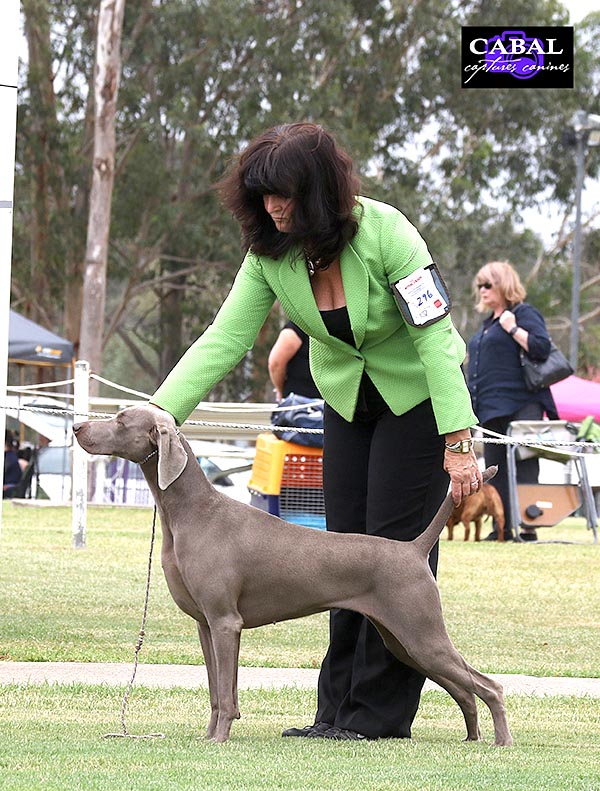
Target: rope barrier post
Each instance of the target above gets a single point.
(9, 69)
(81, 392)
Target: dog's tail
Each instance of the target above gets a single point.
(430, 535)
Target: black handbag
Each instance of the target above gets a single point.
(539, 374)
(302, 412)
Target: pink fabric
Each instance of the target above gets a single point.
(577, 398)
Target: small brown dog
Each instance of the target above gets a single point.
(485, 502)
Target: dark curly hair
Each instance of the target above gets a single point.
(300, 161)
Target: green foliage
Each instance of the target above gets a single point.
(53, 163)
(201, 77)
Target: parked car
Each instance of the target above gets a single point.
(122, 482)
(53, 473)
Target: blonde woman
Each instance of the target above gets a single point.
(495, 376)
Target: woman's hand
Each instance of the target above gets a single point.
(464, 472)
(507, 320)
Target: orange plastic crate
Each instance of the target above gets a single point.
(278, 463)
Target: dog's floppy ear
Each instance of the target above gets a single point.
(172, 457)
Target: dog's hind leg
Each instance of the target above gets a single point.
(450, 670)
(492, 694)
(430, 649)
(468, 705)
(211, 672)
(465, 699)
(225, 634)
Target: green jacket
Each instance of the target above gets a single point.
(407, 364)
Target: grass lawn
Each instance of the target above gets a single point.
(509, 608)
(53, 740)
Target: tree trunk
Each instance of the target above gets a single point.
(74, 254)
(170, 327)
(108, 67)
(43, 148)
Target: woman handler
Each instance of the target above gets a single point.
(357, 277)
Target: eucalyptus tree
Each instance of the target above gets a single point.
(106, 91)
(54, 134)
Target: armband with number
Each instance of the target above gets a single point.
(422, 296)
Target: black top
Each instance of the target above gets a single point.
(495, 377)
(370, 403)
(298, 378)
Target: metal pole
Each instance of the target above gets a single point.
(580, 161)
(79, 482)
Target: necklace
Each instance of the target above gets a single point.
(311, 264)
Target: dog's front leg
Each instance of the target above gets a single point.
(225, 634)
(211, 672)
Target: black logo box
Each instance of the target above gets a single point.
(498, 69)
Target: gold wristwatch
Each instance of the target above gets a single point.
(462, 446)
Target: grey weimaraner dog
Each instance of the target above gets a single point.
(231, 566)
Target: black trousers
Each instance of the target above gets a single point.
(527, 470)
(382, 476)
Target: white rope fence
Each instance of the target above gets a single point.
(80, 411)
(493, 439)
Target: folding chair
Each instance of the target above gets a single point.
(547, 504)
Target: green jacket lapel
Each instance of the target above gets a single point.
(356, 289)
(297, 297)
(294, 280)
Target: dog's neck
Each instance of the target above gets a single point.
(148, 457)
(155, 451)
(191, 479)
